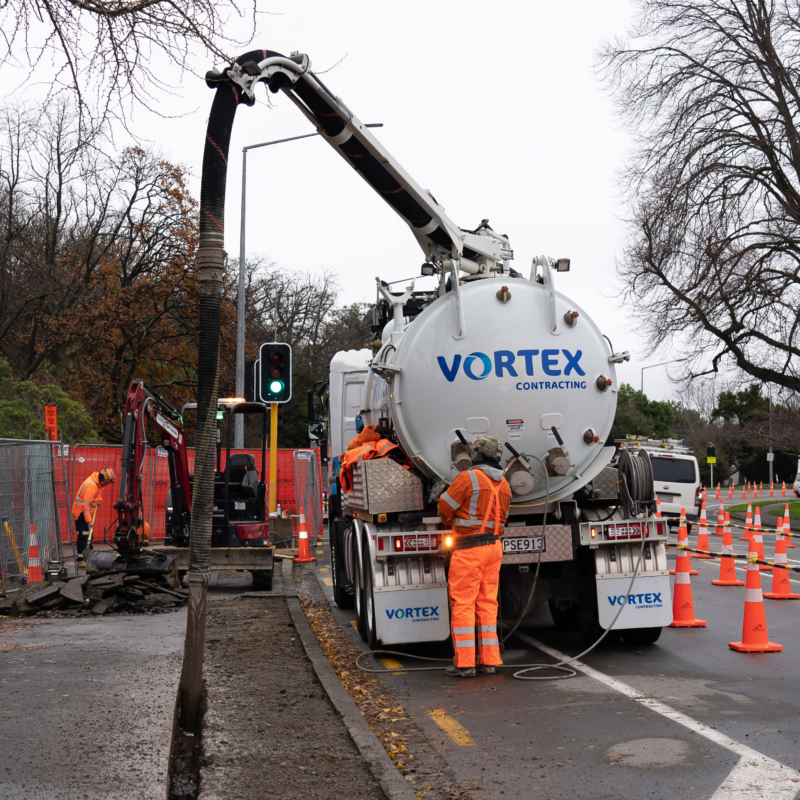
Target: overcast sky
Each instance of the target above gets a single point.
(494, 107)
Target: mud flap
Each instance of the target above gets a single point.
(649, 602)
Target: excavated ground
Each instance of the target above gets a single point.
(269, 729)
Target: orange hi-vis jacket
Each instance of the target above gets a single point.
(366, 452)
(90, 495)
(471, 495)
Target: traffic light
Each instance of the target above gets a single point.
(275, 370)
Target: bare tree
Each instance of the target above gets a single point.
(711, 93)
(112, 54)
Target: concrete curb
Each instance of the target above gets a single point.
(395, 787)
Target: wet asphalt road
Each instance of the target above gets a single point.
(726, 724)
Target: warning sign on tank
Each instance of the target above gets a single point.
(514, 428)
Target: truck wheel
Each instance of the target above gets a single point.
(361, 623)
(565, 616)
(341, 596)
(262, 581)
(639, 636)
(369, 609)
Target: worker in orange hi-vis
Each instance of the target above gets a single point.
(476, 505)
(89, 497)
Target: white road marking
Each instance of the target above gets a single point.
(755, 776)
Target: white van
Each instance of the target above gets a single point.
(796, 486)
(676, 475)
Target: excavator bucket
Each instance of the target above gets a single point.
(145, 563)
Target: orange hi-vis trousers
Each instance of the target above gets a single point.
(473, 580)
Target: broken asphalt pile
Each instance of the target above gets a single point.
(105, 593)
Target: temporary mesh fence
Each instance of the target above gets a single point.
(33, 492)
(87, 459)
(308, 490)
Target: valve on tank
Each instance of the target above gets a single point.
(461, 453)
(557, 460)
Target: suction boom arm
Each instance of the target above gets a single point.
(435, 232)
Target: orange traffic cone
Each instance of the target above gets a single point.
(772, 490)
(783, 490)
(727, 567)
(683, 538)
(757, 542)
(34, 567)
(787, 528)
(720, 521)
(730, 492)
(658, 507)
(304, 551)
(781, 588)
(716, 496)
(682, 602)
(748, 523)
(755, 637)
(702, 534)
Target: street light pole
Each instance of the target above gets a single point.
(771, 454)
(238, 440)
(650, 366)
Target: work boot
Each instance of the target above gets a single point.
(488, 669)
(452, 671)
(79, 558)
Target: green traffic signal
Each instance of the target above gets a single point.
(275, 368)
(276, 387)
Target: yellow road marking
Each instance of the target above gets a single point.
(324, 569)
(328, 581)
(320, 552)
(354, 623)
(392, 663)
(453, 728)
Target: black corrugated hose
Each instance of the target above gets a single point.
(211, 268)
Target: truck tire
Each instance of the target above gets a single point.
(565, 616)
(262, 581)
(640, 636)
(369, 607)
(341, 596)
(361, 622)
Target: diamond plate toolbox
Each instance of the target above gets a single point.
(383, 486)
(557, 544)
(604, 486)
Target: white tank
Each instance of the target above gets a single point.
(512, 369)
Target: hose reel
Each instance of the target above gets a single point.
(636, 483)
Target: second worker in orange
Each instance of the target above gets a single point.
(476, 504)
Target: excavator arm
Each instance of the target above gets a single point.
(439, 237)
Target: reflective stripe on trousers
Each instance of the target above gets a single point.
(472, 582)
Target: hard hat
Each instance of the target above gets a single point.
(107, 475)
(488, 447)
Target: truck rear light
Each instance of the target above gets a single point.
(380, 543)
(398, 544)
(659, 529)
(448, 541)
(593, 533)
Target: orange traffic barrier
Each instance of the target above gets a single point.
(702, 534)
(787, 528)
(757, 542)
(683, 538)
(682, 602)
(755, 637)
(34, 566)
(748, 523)
(304, 551)
(727, 567)
(781, 588)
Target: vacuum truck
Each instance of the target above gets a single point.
(485, 350)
